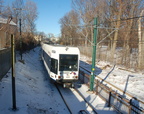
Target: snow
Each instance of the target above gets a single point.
(96, 101)
(75, 102)
(127, 80)
(35, 94)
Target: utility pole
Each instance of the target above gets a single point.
(20, 38)
(13, 72)
(93, 55)
(20, 9)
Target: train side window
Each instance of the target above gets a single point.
(47, 59)
(54, 65)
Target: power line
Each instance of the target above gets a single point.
(127, 19)
(105, 37)
(89, 25)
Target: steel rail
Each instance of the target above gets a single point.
(126, 93)
(81, 111)
(109, 83)
(94, 110)
(63, 99)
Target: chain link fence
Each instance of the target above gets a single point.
(126, 57)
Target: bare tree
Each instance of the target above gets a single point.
(26, 12)
(17, 7)
(87, 12)
(141, 42)
(113, 14)
(69, 25)
(30, 16)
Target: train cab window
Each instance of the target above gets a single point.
(68, 62)
(54, 65)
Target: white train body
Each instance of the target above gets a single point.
(62, 63)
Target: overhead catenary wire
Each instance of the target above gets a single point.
(90, 25)
(105, 37)
(128, 18)
(103, 27)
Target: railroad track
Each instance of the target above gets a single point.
(74, 101)
(84, 69)
(110, 85)
(63, 98)
(135, 108)
(93, 109)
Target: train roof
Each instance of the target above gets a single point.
(60, 49)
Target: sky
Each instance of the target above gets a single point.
(49, 14)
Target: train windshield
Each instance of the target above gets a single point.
(68, 63)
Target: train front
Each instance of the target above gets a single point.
(69, 67)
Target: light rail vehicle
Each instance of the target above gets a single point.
(61, 63)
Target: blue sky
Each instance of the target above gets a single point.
(49, 14)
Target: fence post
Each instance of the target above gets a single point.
(83, 76)
(109, 100)
(13, 72)
(97, 86)
(129, 109)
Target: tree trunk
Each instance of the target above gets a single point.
(140, 44)
(115, 40)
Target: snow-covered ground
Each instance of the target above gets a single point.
(127, 80)
(36, 95)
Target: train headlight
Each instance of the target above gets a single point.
(59, 77)
(75, 77)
